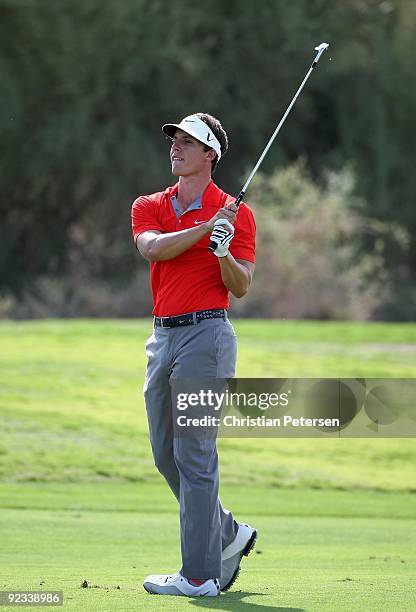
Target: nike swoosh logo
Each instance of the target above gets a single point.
(209, 137)
(198, 222)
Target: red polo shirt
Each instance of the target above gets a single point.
(192, 281)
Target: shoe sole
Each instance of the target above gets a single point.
(153, 593)
(246, 551)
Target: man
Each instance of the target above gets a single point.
(193, 338)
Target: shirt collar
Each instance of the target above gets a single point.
(211, 195)
(193, 206)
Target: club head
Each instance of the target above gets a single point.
(322, 47)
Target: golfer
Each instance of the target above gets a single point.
(193, 338)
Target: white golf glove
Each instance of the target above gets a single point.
(222, 234)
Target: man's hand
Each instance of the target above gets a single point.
(228, 213)
(222, 234)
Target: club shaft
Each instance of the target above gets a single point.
(277, 130)
(321, 49)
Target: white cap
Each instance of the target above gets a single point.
(194, 126)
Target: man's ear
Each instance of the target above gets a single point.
(211, 154)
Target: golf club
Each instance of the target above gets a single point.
(320, 49)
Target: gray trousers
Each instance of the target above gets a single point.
(190, 463)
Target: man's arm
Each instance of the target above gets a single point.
(155, 246)
(236, 274)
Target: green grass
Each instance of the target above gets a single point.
(80, 496)
(71, 405)
(317, 550)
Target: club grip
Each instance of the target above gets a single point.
(213, 245)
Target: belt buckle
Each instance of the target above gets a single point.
(161, 323)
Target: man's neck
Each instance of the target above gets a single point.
(190, 188)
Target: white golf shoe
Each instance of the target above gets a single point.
(231, 556)
(177, 584)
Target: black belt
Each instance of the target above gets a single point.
(191, 318)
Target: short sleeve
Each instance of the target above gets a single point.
(144, 216)
(243, 245)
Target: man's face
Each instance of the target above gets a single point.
(187, 155)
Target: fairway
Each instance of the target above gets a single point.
(81, 499)
(326, 550)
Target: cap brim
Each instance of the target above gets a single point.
(169, 129)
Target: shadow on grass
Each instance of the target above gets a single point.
(235, 601)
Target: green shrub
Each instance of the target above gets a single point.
(309, 258)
